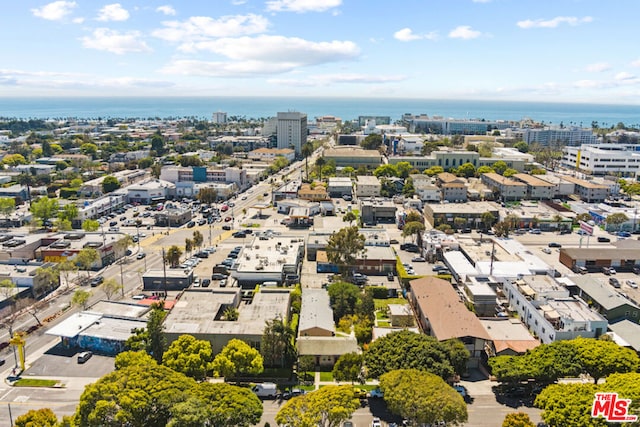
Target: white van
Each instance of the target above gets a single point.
(265, 390)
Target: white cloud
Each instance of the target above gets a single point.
(166, 9)
(113, 12)
(262, 55)
(280, 49)
(330, 79)
(199, 28)
(115, 41)
(625, 76)
(598, 67)
(78, 20)
(407, 35)
(302, 6)
(54, 11)
(554, 22)
(635, 63)
(238, 2)
(481, 1)
(464, 32)
(592, 84)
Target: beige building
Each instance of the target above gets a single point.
(315, 194)
(354, 156)
(508, 188)
(367, 186)
(588, 191)
(537, 189)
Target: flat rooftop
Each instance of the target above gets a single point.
(469, 207)
(269, 255)
(195, 312)
(543, 284)
(113, 328)
(570, 308)
(120, 309)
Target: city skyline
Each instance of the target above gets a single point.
(566, 51)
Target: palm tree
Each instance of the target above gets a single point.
(306, 151)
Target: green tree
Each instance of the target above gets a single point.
(90, 225)
(237, 358)
(130, 358)
(110, 287)
(81, 298)
(371, 142)
(7, 207)
(500, 166)
(158, 144)
(189, 356)
(188, 245)
(306, 364)
(568, 405)
(600, 358)
(466, 170)
(172, 257)
(413, 229)
(44, 209)
(583, 217)
(521, 146)
(328, 406)
(65, 268)
(403, 169)
(69, 212)
(538, 171)
(349, 217)
(488, 219)
(343, 298)
(433, 170)
(617, 219)
(413, 216)
(348, 367)
(406, 349)
(277, 347)
(228, 405)
(198, 239)
(110, 183)
(86, 258)
(432, 400)
(89, 149)
(37, 418)
(231, 314)
(386, 170)
(484, 169)
(207, 195)
(509, 172)
(134, 396)
(517, 419)
(14, 160)
(157, 341)
(306, 150)
(344, 246)
(408, 189)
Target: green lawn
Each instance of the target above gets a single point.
(383, 324)
(381, 315)
(34, 382)
(383, 303)
(326, 376)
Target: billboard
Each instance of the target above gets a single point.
(586, 228)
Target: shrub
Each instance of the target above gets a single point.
(379, 292)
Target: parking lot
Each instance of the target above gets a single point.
(61, 362)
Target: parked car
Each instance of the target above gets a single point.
(191, 224)
(376, 422)
(624, 234)
(418, 259)
(226, 227)
(555, 245)
(632, 284)
(84, 356)
(614, 282)
(206, 283)
(202, 254)
(565, 231)
(139, 297)
(606, 270)
(239, 235)
(439, 267)
(97, 281)
(390, 277)
(604, 239)
(546, 250)
(141, 255)
(376, 393)
(227, 219)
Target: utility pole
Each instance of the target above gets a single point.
(121, 277)
(164, 273)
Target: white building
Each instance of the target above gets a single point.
(425, 188)
(219, 118)
(603, 159)
(554, 135)
(368, 186)
(269, 154)
(292, 130)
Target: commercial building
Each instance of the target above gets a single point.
(269, 154)
(61, 246)
(595, 258)
(553, 135)
(354, 156)
(150, 192)
(446, 213)
(456, 158)
(202, 174)
(292, 131)
(442, 314)
(268, 260)
(93, 187)
(446, 126)
(169, 279)
(173, 217)
(101, 206)
(200, 312)
(373, 211)
(604, 298)
(603, 159)
(315, 194)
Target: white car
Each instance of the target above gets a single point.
(632, 284)
(546, 250)
(376, 422)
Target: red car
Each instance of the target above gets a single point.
(227, 219)
(224, 208)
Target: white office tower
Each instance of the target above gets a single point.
(292, 131)
(219, 118)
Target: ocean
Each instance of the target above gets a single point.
(345, 108)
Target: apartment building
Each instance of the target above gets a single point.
(589, 191)
(553, 135)
(291, 131)
(537, 189)
(233, 175)
(508, 188)
(367, 186)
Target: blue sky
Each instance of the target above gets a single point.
(526, 50)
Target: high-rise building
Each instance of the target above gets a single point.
(292, 131)
(219, 118)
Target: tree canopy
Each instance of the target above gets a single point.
(237, 358)
(189, 356)
(344, 246)
(432, 400)
(110, 183)
(517, 419)
(37, 418)
(348, 367)
(343, 297)
(44, 209)
(371, 141)
(328, 406)
(277, 347)
(406, 349)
